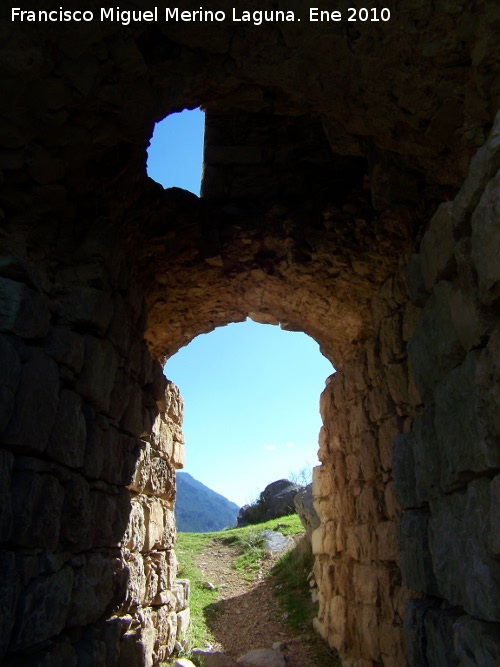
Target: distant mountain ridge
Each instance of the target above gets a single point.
(198, 509)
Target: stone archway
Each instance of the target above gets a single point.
(319, 212)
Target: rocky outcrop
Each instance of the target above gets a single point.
(304, 506)
(276, 500)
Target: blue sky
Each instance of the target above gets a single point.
(251, 391)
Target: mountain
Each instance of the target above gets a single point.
(198, 509)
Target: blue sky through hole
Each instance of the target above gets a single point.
(251, 391)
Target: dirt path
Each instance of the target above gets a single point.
(248, 616)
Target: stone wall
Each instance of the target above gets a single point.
(364, 405)
(447, 467)
(90, 436)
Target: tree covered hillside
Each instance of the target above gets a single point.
(198, 509)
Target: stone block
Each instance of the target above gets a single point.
(483, 166)
(415, 555)
(440, 637)
(391, 342)
(58, 652)
(477, 643)
(181, 590)
(435, 349)
(77, 516)
(361, 543)
(9, 591)
(466, 572)
(415, 631)
(387, 430)
(42, 609)
(486, 241)
(120, 395)
(93, 589)
(411, 315)
(183, 620)
(397, 380)
(380, 407)
(11, 373)
(37, 501)
(467, 416)
(69, 433)
(415, 281)
(97, 378)
(85, 307)
(120, 454)
(166, 629)
(365, 582)
(437, 245)
(467, 318)
(6, 465)
(136, 579)
(36, 403)
(22, 310)
(494, 540)
(135, 534)
(153, 475)
(111, 515)
(120, 328)
(66, 348)
(403, 464)
(388, 541)
(131, 421)
(427, 456)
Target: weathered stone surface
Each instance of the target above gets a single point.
(434, 349)
(77, 514)
(304, 506)
(486, 240)
(11, 371)
(476, 642)
(466, 572)
(36, 403)
(428, 459)
(98, 375)
(439, 635)
(183, 620)
(111, 514)
(42, 609)
(66, 347)
(483, 167)
(86, 307)
(415, 631)
(262, 657)
(467, 416)
(94, 589)
(436, 248)
(403, 463)
(9, 591)
(37, 501)
(415, 555)
(181, 590)
(22, 310)
(6, 464)
(69, 434)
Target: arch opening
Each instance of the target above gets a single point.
(175, 152)
(251, 406)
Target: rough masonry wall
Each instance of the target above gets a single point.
(90, 436)
(446, 469)
(363, 406)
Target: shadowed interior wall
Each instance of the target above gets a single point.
(339, 204)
